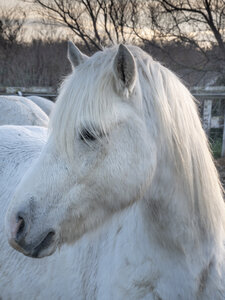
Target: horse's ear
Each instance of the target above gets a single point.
(124, 68)
(74, 55)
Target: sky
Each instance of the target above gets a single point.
(10, 2)
(33, 28)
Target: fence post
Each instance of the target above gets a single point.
(223, 142)
(207, 110)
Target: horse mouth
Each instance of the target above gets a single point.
(45, 247)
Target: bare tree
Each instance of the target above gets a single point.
(12, 22)
(187, 34)
(95, 22)
(117, 19)
(192, 21)
(69, 14)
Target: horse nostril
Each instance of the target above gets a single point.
(20, 227)
(47, 240)
(44, 244)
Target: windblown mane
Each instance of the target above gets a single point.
(184, 142)
(88, 100)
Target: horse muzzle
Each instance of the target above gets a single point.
(42, 246)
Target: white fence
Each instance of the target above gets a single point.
(206, 96)
(48, 92)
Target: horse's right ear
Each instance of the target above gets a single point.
(75, 56)
(124, 69)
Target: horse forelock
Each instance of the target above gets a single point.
(87, 99)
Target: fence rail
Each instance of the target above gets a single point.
(212, 92)
(44, 91)
(207, 98)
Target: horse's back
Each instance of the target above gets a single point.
(45, 104)
(16, 110)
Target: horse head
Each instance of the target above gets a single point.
(100, 156)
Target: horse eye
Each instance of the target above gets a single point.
(87, 135)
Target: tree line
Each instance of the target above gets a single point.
(160, 25)
(199, 24)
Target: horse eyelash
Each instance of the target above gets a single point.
(89, 135)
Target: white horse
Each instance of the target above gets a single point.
(123, 201)
(17, 110)
(45, 104)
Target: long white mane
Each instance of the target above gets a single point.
(184, 142)
(88, 101)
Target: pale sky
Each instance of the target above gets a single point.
(33, 28)
(10, 2)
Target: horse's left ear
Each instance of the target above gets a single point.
(124, 68)
(75, 56)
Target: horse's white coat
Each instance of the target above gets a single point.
(138, 212)
(45, 104)
(17, 110)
